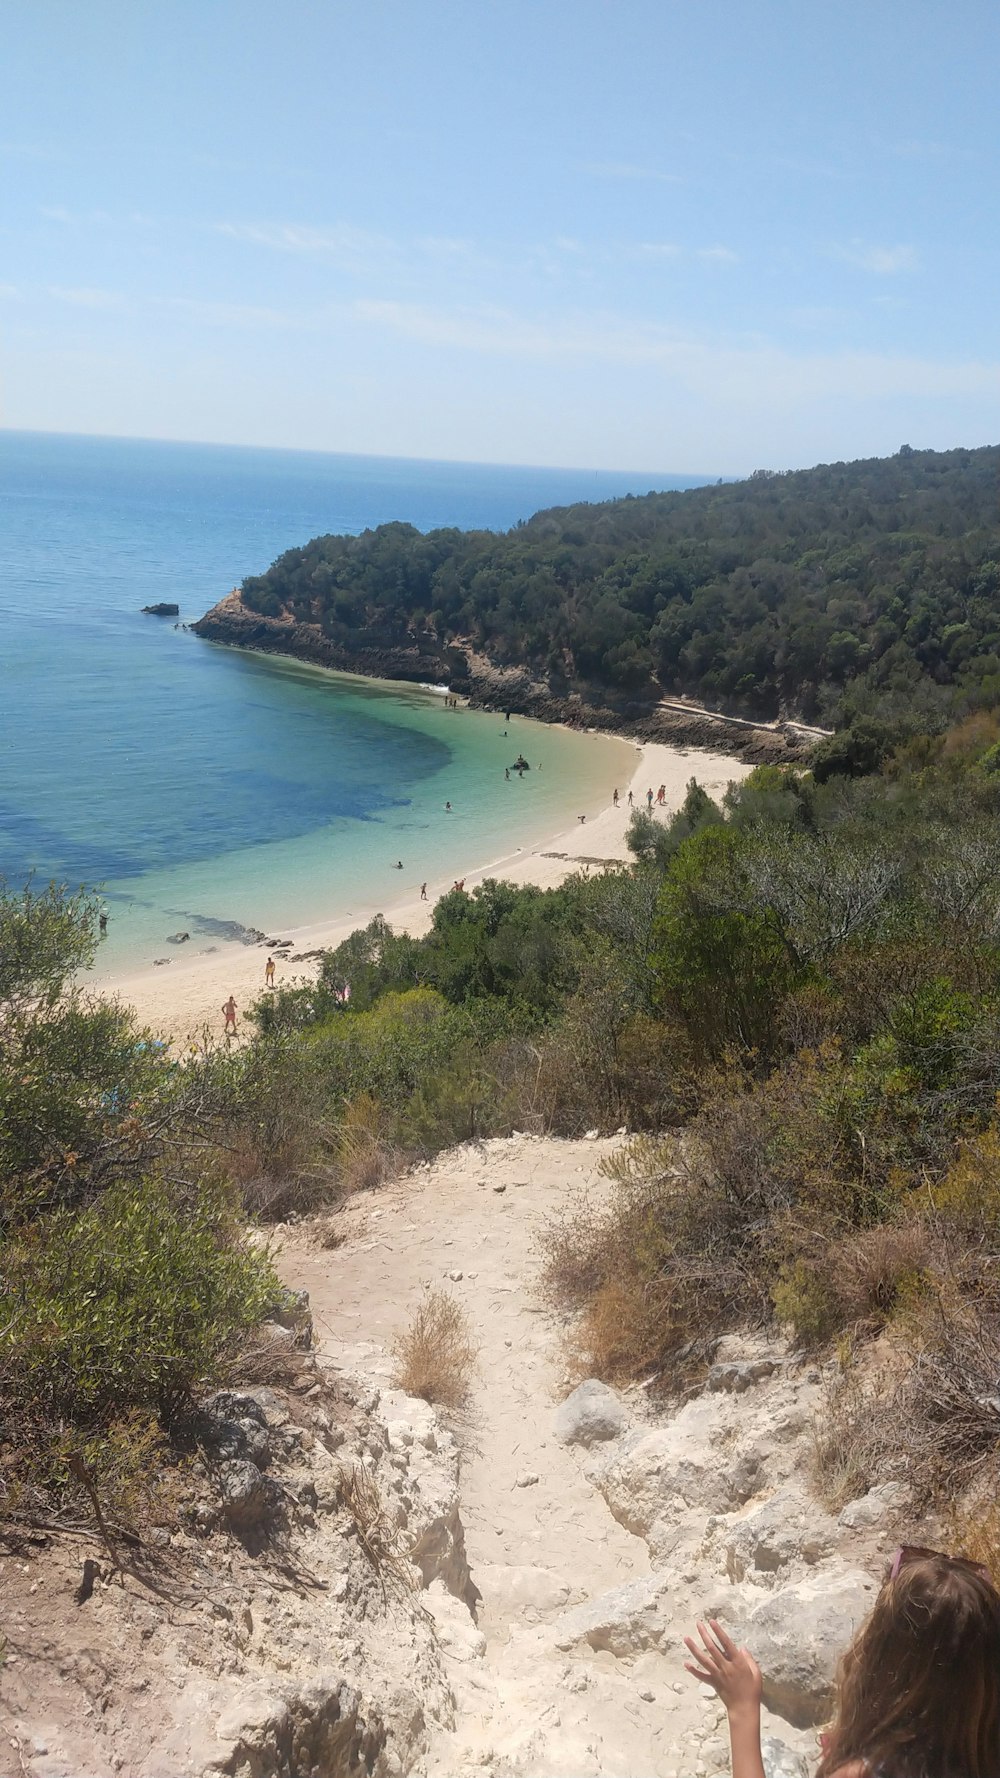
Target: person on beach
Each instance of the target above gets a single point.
(229, 1010)
(459, 885)
(423, 891)
(506, 773)
(614, 800)
(661, 795)
(918, 1691)
(102, 924)
(649, 799)
(269, 973)
(630, 799)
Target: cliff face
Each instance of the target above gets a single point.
(487, 686)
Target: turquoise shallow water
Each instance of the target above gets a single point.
(197, 785)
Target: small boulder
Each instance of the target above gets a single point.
(247, 1497)
(593, 1412)
(232, 1425)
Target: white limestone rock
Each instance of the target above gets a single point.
(591, 1414)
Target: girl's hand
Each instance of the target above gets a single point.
(731, 1672)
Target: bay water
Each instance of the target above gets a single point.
(200, 787)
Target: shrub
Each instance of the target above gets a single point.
(644, 1283)
(129, 1304)
(272, 1127)
(874, 1272)
(435, 1357)
(363, 1156)
(803, 1298)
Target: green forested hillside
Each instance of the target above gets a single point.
(775, 593)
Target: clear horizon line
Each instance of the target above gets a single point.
(220, 444)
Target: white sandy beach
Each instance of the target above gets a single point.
(183, 1000)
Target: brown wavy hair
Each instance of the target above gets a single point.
(919, 1688)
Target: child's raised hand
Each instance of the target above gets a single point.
(731, 1672)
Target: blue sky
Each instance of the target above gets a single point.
(709, 236)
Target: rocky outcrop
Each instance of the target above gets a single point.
(300, 1624)
(421, 659)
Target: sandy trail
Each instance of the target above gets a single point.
(535, 1547)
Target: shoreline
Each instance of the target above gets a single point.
(182, 1001)
(483, 685)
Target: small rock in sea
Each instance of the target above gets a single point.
(527, 1480)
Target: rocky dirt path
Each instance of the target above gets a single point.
(540, 1537)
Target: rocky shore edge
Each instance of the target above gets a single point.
(422, 660)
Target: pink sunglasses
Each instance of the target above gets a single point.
(913, 1552)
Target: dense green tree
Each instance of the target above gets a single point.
(876, 579)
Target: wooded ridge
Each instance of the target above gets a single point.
(824, 594)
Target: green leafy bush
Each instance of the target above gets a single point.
(128, 1304)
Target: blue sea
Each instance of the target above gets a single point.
(198, 787)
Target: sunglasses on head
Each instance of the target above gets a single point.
(914, 1552)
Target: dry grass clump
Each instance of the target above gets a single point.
(378, 1531)
(646, 1285)
(855, 1433)
(873, 1271)
(436, 1357)
(364, 1157)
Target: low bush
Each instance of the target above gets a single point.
(272, 1128)
(363, 1156)
(435, 1358)
(128, 1305)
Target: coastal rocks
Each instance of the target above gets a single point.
(873, 1508)
(319, 1728)
(786, 1529)
(624, 1621)
(420, 658)
(178, 938)
(798, 1635)
(655, 1481)
(163, 609)
(248, 1498)
(591, 1414)
(421, 1474)
(231, 1425)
